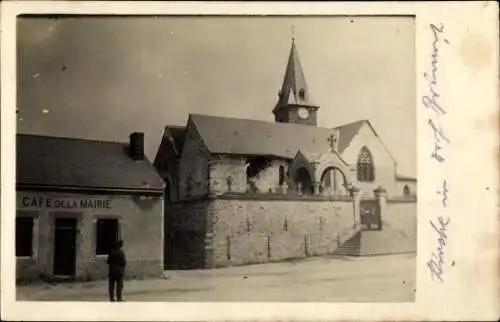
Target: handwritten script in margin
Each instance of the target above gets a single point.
(432, 102)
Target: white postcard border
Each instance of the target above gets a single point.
(468, 89)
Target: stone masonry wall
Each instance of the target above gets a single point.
(399, 230)
(186, 235)
(253, 231)
(400, 217)
(412, 185)
(193, 166)
(268, 179)
(228, 175)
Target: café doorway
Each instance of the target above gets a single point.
(65, 231)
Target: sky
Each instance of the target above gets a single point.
(105, 77)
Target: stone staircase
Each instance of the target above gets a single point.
(378, 242)
(350, 247)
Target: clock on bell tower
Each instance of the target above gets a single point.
(294, 101)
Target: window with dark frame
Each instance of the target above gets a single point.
(24, 236)
(107, 235)
(366, 171)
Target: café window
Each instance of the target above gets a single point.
(24, 236)
(107, 235)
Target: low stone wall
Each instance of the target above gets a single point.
(401, 215)
(250, 230)
(187, 229)
(399, 232)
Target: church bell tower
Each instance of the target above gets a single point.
(294, 100)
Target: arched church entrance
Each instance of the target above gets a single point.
(303, 181)
(333, 182)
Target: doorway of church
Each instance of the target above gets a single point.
(371, 218)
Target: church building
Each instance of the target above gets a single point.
(245, 191)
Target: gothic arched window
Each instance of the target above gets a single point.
(366, 170)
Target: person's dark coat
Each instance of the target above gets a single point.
(117, 263)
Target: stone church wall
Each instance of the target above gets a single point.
(193, 166)
(412, 185)
(401, 215)
(399, 229)
(228, 175)
(253, 231)
(187, 231)
(384, 176)
(268, 179)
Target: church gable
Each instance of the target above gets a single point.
(193, 164)
(170, 149)
(366, 136)
(373, 163)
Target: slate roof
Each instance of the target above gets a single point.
(224, 135)
(347, 132)
(79, 163)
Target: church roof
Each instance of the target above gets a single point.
(223, 135)
(312, 157)
(79, 163)
(294, 89)
(347, 132)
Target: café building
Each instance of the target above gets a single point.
(76, 197)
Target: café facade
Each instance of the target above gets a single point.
(76, 197)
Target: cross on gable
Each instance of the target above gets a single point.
(332, 139)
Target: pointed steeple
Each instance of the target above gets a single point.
(295, 104)
(294, 88)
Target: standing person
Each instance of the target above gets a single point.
(116, 262)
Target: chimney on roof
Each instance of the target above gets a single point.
(136, 146)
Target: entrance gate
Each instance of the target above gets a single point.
(370, 215)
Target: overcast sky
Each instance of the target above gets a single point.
(103, 78)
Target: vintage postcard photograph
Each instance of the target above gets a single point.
(169, 157)
(221, 160)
